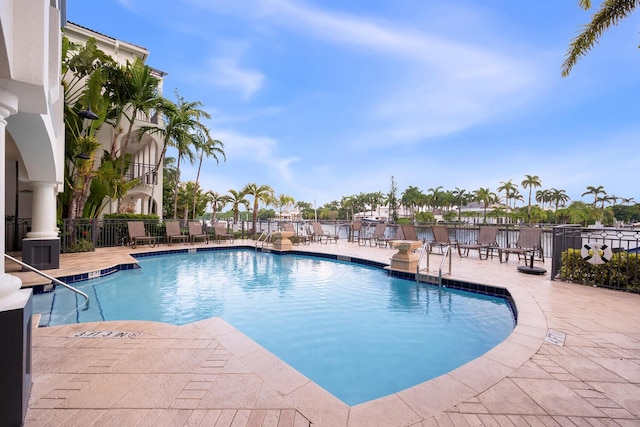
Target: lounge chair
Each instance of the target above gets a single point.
(485, 243)
(137, 234)
(355, 231)
(174, 233)
(195, 232)
(222, 233)
(320, 234)
(441, 238)
(529, 244)
(409, 232)
(297, 237)
(377, 238)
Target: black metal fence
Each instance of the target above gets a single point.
(573, 249)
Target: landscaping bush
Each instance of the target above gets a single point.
(622, 272)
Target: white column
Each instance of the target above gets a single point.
(43, 211)
(8, 284)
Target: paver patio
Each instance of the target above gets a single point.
(209, 374)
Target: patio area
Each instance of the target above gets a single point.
(572, 360)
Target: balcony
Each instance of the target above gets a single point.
(146, 172)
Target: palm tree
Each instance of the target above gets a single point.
(235, 199)
(262, 193)
(542, 197)
(510, 189)
(596, 192)
(558, 198)
(412, 197)
(282, 202)
(486, 197)
(610, 13)
(529, 182)
(435, 194)
(460, 198)
(218, 202)
(208, 147)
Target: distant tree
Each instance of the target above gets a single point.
(461, 198)
(529, 182)
(260, 193)
(392, 200)
(597, 193)
(510, 190)
(236, 198)
(486, 197)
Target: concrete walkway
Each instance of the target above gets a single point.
(209, 374)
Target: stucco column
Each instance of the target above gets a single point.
(43, 212)
(8, 284)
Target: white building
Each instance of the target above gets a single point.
(147, 197)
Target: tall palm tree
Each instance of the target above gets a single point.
(411, 198)
(435, 194)
(218, 201)
(509, 189)
(209, 147)
(460, 198)
(558, 198)
(262, 193)
(596, 192)
(282, 202)
(486, 197)
(235, 199)
(529, 182)
(610, 13)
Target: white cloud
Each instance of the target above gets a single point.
(256, 149)
(227, 73)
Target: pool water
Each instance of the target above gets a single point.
(352, 329)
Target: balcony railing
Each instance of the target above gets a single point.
(144, 171)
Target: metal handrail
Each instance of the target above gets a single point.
(266, 239)
(447, 254)
(422, 252)
(53, 279)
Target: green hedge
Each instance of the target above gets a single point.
(622, 272)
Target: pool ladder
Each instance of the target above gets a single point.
(446, 254)
(264, 238)
(53, 279)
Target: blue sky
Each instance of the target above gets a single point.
(327, 99)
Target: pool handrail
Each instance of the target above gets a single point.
(445, 255)
(53, 279)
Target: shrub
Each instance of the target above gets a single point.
(622, 272)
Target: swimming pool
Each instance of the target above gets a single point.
(352, 329)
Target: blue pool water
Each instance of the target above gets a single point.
(352, 329)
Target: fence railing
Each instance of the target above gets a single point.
(564, 245)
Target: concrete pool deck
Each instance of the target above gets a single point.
(207, 373)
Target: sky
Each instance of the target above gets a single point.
(326, 99)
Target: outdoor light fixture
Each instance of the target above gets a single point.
(87, 114)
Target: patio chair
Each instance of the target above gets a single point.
(320, 233)
(486, 242)
(409, 232)
(441, 238)
(355, 231)
(529, 243)
(221, 232)
(297, 237)
(377, 238)
(174, 233)
(195, 232)
(137, 234)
